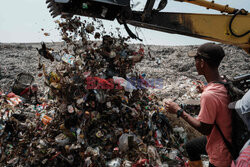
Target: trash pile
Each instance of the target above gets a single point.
(97, 111)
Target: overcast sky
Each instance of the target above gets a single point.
(22, 21)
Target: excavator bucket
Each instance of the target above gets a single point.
(104, 9)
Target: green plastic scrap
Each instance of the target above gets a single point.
(85, 6)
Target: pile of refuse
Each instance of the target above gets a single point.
(97, 112)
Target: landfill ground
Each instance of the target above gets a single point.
(167, 68)
(169, 64)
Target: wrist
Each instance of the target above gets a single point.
(180, 112)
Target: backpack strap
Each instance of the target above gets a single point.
(233, 92)
(223, 83)
(226, 84)
(227, 143)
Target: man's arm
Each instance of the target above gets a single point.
(203, 128)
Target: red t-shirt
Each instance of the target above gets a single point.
(244, 158)
(214, 102)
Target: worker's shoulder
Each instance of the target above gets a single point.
(215, 88)
(207, 95)
(214, 91)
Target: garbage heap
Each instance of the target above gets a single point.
(97, 112)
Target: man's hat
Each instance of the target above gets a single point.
(242, 107)
(209, 51)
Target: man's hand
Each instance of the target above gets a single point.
(171, 107)
(203, 128)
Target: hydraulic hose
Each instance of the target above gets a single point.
(242, 12)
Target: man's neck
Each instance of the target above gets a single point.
(212, 76)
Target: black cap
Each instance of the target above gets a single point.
(209, 51)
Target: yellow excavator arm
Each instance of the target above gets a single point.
(231, 27)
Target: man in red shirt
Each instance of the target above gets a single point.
(214, 102)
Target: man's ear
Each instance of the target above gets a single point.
(202, 63)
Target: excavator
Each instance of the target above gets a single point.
(230, 27)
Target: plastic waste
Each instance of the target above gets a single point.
(45, 119)
(181, 132)
(56, 56)
(92, 151)
(173, 154)
(68, 59)
(100, 96)
(13, 99)
(62, 139)
(2, 126)
(114, 163)
(124, 83)
(85, 6)
(127, 141)
(127, 163)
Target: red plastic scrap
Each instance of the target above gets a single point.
(11, 95)
(25, 91)
(141, 51)
(13, 99)
(141, 163)
(144, 82)
(54, 156)
(98, 83)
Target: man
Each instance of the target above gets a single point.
(242, 107)
(214, 109)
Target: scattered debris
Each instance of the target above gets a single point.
(97, 113)
(46, 34)
(96, 109)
